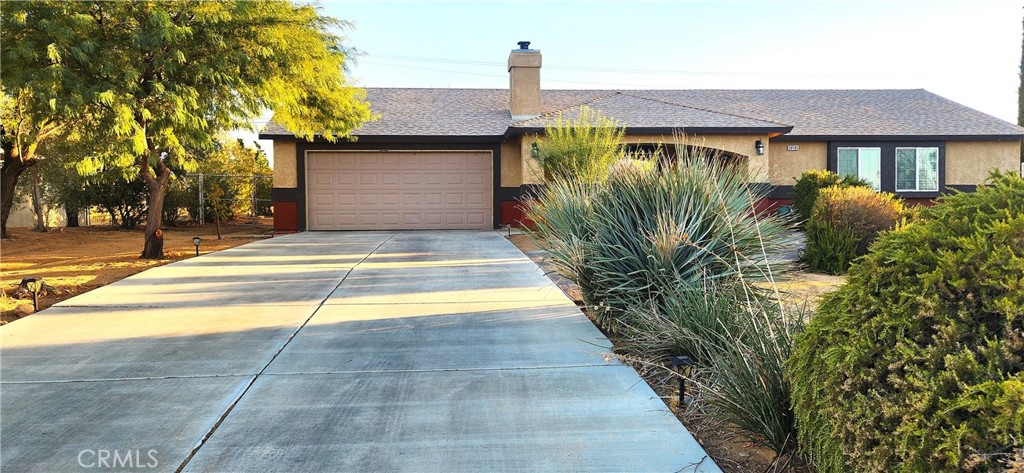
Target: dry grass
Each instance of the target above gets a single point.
(77, 260)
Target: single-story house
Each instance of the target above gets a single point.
(462, 158)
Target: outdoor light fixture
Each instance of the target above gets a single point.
(759, 146)
(33, 284)
(535, 150)
(196, 241)
(684, 366)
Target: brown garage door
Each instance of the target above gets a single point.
(399, 190)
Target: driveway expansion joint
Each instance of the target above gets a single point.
(248, 386)
(448, 370)
(131, 378)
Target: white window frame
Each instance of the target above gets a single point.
(917, 169)
(858, 148)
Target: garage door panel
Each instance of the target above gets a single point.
(399, 190)
(390, 179)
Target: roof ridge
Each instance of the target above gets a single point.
(570, 107)
(652, 99)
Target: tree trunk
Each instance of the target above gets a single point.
(9, 173)
(37, 201)
(216, 221)
(153, 248)
(72, 215)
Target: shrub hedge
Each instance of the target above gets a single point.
(810, 183)
(917, 363)
(844, 222)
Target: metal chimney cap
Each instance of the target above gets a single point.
(524, 45)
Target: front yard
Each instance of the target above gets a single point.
(77, 260)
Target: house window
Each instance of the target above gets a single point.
(917, 169)
(863, 163)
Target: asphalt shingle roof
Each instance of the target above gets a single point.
(848, 113)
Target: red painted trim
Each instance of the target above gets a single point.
(286, 217)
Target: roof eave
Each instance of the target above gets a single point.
(391, 138)
(899, 137)
(668, 130)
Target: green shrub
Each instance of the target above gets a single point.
(584, 149)
(829, 249)
(843, 224)
(647, 230)
(917, 363)
(805, 192)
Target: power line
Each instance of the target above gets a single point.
(618, 70)
(503, 76)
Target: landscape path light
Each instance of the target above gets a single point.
(196, 241)
(33, 284)
(684, 367)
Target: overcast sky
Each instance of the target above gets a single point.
(967, 51)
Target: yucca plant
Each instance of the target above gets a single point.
(659, 229)
(562, 227)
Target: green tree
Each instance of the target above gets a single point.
(23, 127)
(220, 208)
(168, 77)
(241, 163)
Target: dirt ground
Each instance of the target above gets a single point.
(723, 442)
(76, 260)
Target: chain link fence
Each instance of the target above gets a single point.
(245, 196)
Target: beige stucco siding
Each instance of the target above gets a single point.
(532, 173)
(284, 164)
(784, 167)
(969, 162)
(511, 164)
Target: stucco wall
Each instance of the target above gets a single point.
(284, 164)
(524, 83)
(968, 162)
(784, 167)
(511, 164)
(532, 173)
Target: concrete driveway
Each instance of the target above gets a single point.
(372, 351)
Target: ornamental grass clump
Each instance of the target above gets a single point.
(917, 362)
(741, 338)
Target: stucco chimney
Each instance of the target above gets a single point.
(524, 82)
